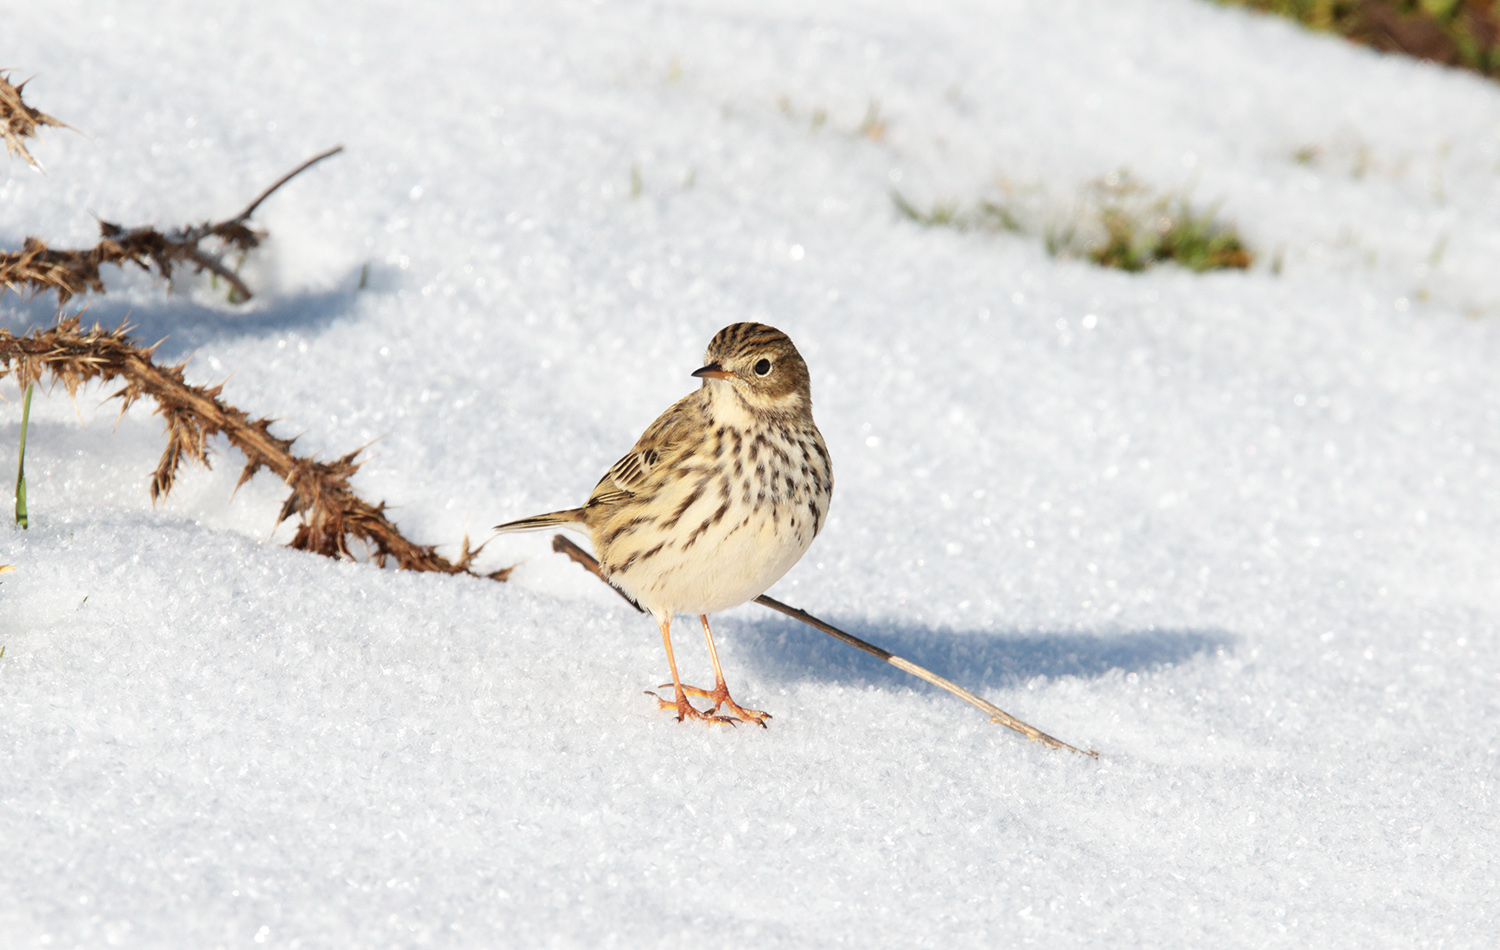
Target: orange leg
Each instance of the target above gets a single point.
(719, 696)
(685, 709)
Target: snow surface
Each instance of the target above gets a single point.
(1238, 532)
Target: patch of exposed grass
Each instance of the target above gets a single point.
(1118, 223)
(1464, 33)
(1141, 229)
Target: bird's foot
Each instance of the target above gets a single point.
(719, 696)
(686, 710)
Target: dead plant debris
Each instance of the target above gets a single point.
(333, 515)
(18, 121)
(37, 267)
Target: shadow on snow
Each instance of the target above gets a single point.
(788, 650)
(183, 323)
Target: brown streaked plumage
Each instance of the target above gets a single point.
(718, 499)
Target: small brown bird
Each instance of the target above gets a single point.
(718, 499)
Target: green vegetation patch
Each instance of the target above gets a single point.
(1119, 222)
(1464, 33)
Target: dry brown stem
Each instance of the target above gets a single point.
(332, 513)
(19, 120)
(37, 267)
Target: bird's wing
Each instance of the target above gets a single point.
(633, 471)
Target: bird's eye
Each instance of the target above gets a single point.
(762, 367)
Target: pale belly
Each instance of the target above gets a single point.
(721, 521)
(730, 563)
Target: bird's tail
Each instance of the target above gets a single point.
(568, 518)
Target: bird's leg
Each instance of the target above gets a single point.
(719, 696)
(685, 709)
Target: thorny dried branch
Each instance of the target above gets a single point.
(19, 120)
(332, 513)
(36, 267)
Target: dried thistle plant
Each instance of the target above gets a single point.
(20, 121)
(332, 514)
(37, 268)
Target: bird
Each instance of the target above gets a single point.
(717, 500)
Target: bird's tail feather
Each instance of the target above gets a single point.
(567, 518)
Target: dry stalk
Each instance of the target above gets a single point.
(578, 555)
(18, 121)
(332, 513)
(37, 267)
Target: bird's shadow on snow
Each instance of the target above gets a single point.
(786, 649)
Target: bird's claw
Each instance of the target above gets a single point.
(719, 696)
(686, 710)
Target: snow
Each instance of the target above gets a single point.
(1238, 532)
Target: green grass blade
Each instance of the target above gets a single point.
(21, 517)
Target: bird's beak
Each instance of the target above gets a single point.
(713, 371)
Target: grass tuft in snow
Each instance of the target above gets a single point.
(1118, 223)
(989, 215)
(942, 214)
(22, 517)
(1141, 229)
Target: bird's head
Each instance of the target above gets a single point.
(762, 367)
